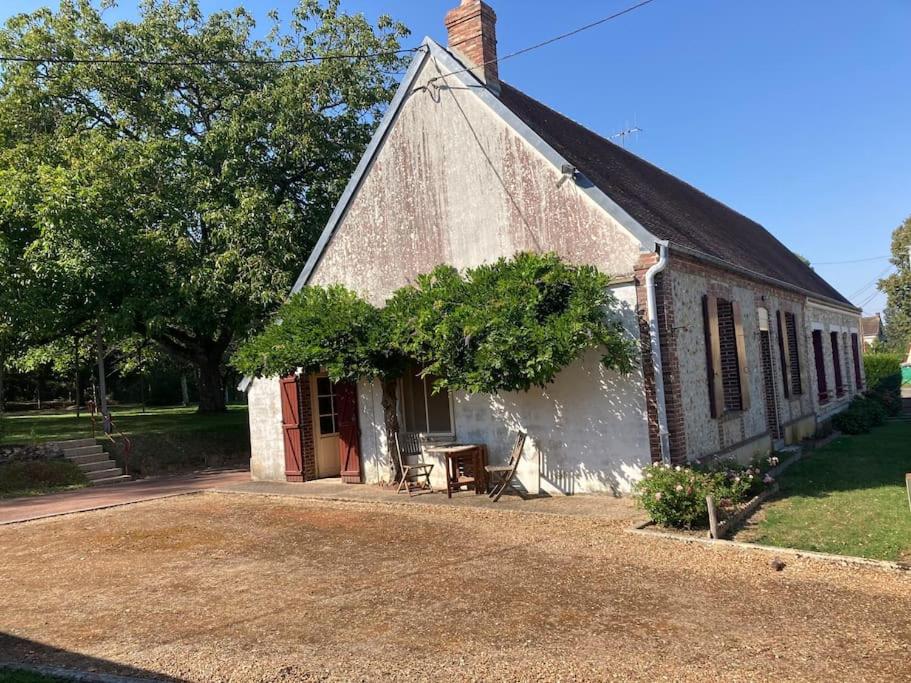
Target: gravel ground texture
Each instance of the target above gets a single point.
(222, 587)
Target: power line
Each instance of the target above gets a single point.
(547, 42)
(860, 260)
(871, 283)
(203, 62)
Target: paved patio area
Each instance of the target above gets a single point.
(240, 587)
(93, 498)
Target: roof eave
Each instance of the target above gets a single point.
(752, 274)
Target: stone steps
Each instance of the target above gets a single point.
(93, 461)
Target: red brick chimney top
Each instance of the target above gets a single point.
(472, 28)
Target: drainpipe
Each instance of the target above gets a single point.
(657, 365)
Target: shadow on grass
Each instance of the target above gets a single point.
(20, 651)
(851, 463)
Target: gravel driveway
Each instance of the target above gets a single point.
(248, 588)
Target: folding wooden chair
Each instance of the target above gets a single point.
(501, 475)
(407, 446)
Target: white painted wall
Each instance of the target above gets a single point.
(587, 431)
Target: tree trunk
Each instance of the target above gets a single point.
(210, 386)
(77, 388)
(391, 420)
(102, 378)
(184, 391)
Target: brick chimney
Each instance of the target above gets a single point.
(472, 28)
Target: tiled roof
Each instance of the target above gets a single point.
(666, 206)
(870, 325)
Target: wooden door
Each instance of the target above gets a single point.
(291, 427)
(325, 426)
(348, 432)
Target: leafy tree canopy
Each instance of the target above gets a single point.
(176, 199)
(898, 290)
(509, 325)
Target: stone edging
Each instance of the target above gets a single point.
(642, 530)
(74, 674)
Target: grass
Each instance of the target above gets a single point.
(847, 498)
(35, 478)
(28, 428)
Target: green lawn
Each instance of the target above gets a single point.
(847, 498)
(27, 428)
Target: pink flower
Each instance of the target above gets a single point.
(767, 479)
(679, 487)
(658, 495)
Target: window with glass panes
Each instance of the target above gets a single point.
(423, 411)
(325, 401)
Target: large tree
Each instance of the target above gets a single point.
(898, 290)
(168, 176)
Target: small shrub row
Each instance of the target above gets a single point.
(38, 476)
(861, 416)
(675, 496)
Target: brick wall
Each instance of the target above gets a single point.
(670, 370)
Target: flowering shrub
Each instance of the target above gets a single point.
(675, 496)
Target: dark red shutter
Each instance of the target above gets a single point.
(836, 364)
(783, 355)
(821, 384)
(855, 351)
(291, 427)
(348, 432)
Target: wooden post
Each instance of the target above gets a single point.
(713, 517)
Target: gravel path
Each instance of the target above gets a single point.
(246, 588)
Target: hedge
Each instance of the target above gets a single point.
(884, 378)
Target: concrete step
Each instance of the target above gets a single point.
(95, 475)
(82, 450)
(86, 459)
(105, 464)
(107, 481)
(74, 443)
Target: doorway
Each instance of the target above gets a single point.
(325, 426)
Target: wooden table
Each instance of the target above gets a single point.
(457, 474)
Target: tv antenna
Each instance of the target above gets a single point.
(628, 132)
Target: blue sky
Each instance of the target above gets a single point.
(795, 113)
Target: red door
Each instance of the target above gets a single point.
(348, 432)
(291, 427)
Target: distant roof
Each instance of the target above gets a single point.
(871, 325)
(664, 205)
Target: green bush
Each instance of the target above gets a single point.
(39, 476)
(675, 496)
(884, 377)
(861, 416)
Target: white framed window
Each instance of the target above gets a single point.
(325, 403)
(421, 410)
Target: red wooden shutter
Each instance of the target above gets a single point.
(821, 384)
(836, 364)
(348, 432)
(291, 427)
(713, 355)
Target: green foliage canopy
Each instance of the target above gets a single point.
(898, 291)
(505, 326)
(508, 325)
(324, 327)
(176, 199)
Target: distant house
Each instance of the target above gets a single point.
(872, 327)
(743, 346)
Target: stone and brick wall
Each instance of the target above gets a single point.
(735, 430)
(828, 320)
